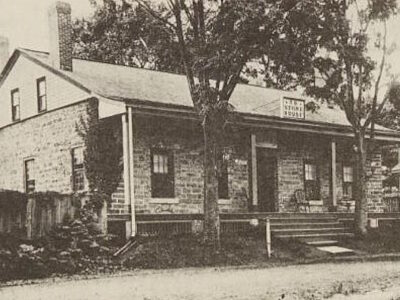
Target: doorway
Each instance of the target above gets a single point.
(266, 179)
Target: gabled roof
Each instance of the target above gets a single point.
(154, 87)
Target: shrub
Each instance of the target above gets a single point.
(76, 246)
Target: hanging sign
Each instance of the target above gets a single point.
(292, 108)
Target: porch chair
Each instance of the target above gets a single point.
(300, 200)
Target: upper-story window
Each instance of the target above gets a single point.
(41, 94)
(78, 169)
(15, 105)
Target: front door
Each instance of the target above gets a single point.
(266, 179)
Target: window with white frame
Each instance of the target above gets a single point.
(311, 181)
(15, 105)
(30, 182)
(41, 94)
(348, 181)
(78, 170)
(162, 174)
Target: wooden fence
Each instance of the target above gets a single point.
(32, 216)
(43, 215)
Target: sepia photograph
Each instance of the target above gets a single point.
(200, 149)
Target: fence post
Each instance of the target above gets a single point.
(268, 236)
(30, 218)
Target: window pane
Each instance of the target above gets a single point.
(79, 180)
(42, 103)
(78, 172)
(29, 176)
(78, 157)
(165, 165)
(15, 97)
(155, 163)
(347, 174)
(310, 172)
(42, 87)
(162, 177)
(160, 164)
(15, 111)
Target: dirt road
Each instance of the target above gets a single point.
(380, 280)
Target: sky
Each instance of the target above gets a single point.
(25, 23)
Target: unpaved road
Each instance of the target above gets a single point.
(369, 280)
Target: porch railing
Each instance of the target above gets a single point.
(392, 202)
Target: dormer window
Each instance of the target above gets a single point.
(41, 94)
(15, 105)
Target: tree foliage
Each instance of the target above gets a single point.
(346, 74)
(121, 34)
(102, 155)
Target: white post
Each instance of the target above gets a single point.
(131, 171)
(268, 236)
(254, 170)
(333, 174)
(398, 161)
(125, 151)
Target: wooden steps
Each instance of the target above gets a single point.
(308, 227)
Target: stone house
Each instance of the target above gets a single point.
(276, 147)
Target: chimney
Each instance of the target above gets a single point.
(4, 52)
(61, 35)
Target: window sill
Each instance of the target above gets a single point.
(316, 202)
(224, 201)
(164, 200)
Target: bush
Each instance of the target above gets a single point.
(190, 251)
(76, 246)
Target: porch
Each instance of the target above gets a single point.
(264, 163)
(283, 225)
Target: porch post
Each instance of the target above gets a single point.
(131, 171)
(254, 170)
(125, 151)
(127, 190)
(333, 173)
(398, 161)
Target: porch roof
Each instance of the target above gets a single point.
(167, 91)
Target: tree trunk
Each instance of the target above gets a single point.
(360, 195)
(211, 215)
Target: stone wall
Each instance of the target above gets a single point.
(185, 141)
(48, 139)
(293, 149)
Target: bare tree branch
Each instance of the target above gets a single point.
(149, 10)
(370, 119)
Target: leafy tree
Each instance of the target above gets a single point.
(351, 78)
(121, 34)
(217, 41)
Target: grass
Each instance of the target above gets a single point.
(384, 239)
(189, 251)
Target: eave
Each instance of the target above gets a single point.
(147, 108)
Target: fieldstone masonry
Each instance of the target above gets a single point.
(188, 165)
(293, 149)
(48, 139)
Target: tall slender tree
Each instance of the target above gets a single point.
(348, 75)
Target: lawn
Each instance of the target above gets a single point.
(236, 249)
(384, 239)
